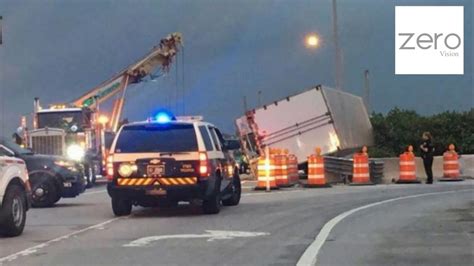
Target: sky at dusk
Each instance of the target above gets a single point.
(58, 50)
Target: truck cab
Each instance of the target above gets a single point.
(68, 132)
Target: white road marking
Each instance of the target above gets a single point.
(310, 255)
(211, 235)
(34, 249)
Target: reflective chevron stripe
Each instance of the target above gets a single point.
(168, 181)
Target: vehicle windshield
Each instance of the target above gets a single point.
(70, 121)
(13, 146)
(157, 138)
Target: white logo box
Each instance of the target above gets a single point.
(429, 40)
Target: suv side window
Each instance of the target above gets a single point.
(217, 145)
(5, 152)
(206, 138)
(220, 137)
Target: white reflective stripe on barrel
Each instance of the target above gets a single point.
(450, 162)
(407, 172)
(361, 175)
(407, 163)
(451, 171)
(316, 165)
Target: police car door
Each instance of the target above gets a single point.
(220, 157)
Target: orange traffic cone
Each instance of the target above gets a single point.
(408, 168)
(361, 170)
(316, 178)
(451, 170)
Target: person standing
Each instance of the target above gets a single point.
(427, 153)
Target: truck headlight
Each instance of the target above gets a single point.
(126, 169)
(75, 152)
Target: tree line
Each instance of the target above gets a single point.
(399, 128)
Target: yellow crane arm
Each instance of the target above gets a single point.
(161, 56)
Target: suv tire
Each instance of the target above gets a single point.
(49, 193)
(14, 211)
(121, 207)
(236, 192)
(212, 205)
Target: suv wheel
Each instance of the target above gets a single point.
(212, 205)
(236, 192)
(44, 193)
(121, 207)
(14, 211)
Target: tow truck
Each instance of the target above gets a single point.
(79, 129)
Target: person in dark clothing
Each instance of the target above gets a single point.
(427, 151)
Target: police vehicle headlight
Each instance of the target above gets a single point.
(126, 169)
(75, 152)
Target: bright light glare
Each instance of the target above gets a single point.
(75, 152)
(126, 170)
(103, 119)
(163, 118)
(312, 40)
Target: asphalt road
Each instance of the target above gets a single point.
(273, 228)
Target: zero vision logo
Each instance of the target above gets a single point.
(429, 40)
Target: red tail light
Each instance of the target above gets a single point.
(203, 165)
(110, 168)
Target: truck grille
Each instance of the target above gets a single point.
(52, 145)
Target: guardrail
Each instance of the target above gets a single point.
(342, 168)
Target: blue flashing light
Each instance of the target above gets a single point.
(163, 117)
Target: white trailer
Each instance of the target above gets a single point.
(320, 117)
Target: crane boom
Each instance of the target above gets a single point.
(160, 56)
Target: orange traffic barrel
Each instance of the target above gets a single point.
(451, 171)
(361, 170)
(316, 177)
(293, 168)
(282, 175)
(266, 173)
(407, 168)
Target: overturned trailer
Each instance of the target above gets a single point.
(333, 120)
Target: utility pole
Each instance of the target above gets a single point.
(259, 98)
(338, 56)
(2, 97)
(367, 91)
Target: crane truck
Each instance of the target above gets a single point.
(79, 129)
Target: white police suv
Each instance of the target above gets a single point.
(166, 160)
(15, 194)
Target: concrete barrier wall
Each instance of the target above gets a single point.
(391, 168)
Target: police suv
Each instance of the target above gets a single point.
(15, 195)
(166, 160)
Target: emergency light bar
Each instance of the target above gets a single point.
(190, 118)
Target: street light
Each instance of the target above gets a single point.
(103, 119)
(312, 41)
